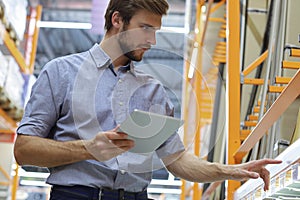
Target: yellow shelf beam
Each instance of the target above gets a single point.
(223, 26)
(290, 64)
(220, 51)
(244, 134)
(295, 52)
(282, 80)
(288, 95)
(215, 19)
(254, 81)
(6, 175)
(32, 39)
(255, 63)
(256, 109)
(250, 123)
(233, 87)
(15, 52)
(253, 117)
(8, 121)
(276, 89)
(217, 6)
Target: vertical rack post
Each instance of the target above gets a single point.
(233, 87)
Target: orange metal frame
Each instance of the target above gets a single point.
(217, 6)
(26, 65)
(288, 95)
(197, 85)
(10, 123)
(295, 52)
(233, 83)
(255, 63)
(290, 64)
(11, 46)
(15, 52)
(32, 37)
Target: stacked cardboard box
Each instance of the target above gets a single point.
(11, 87)
(15, 14)
(14, 82)
(3, 70)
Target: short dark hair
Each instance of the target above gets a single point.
(128, 8)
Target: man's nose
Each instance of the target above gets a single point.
(151, 39)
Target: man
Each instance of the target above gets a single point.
(71, 120)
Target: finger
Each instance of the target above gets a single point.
(265, 175)
(253, 175)
(127, 148)
(268, 161)
(123, 143)
(119, 147)
(115, 136)
(115, 129)
(266, 187)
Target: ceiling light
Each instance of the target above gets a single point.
(68, 25)
(77, 25)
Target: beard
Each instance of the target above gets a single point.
(132, 52)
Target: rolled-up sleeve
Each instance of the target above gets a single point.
(174, 143)
(41, 111)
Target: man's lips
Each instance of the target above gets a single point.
(145, 48)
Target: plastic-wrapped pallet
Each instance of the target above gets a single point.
(14, 83)
(4, 101)
(15, 11)
(3, 70)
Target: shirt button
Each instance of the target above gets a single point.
(121, 103)
(122, 171)
(120, 81)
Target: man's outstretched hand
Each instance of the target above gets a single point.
(254, 169)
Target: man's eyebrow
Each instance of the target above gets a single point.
(151, 26)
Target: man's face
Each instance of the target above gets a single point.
(137, 37)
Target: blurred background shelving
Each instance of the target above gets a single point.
(231, 69)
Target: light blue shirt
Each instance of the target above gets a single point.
(76, 97)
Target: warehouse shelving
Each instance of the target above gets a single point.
(9, 115)
(286, 90)
(277, 92)
(26, 66)
(287, 96)
(200, 89)
(13, 49)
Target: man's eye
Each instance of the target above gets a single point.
(146, 28)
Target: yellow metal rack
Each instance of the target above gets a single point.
(26, 64)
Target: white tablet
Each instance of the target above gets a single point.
(149, 130)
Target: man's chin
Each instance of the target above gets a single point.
(135, 57)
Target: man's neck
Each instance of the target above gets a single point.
(111, 47)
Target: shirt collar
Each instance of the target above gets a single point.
(132, 68)
(101, 59)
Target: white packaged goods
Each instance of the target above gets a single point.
(14, 83)
(15, 11)
(3, 70)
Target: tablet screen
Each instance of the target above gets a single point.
(149, 130)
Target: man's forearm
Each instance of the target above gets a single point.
(32, 150)
(190, 168)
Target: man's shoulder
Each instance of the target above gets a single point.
(140, 74)
(66, 63)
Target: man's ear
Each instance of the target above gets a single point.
(116, 20)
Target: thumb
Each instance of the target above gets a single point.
(116, 128)
(253, 175)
